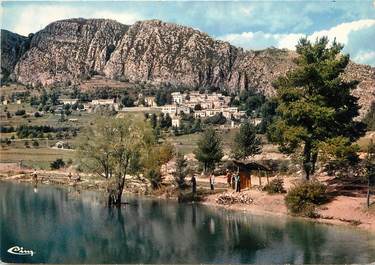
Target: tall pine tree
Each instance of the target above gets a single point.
(246, 143)
(209, 149)
(314, 103)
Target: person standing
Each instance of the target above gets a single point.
(229, 178)
(35, 176)
(233, 182)
(238, 183)
(194, 184)
(212, 182)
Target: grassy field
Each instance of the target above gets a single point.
(39, 158)
(187, 143)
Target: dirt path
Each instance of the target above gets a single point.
(341, 210)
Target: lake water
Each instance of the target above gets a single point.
(65, 226)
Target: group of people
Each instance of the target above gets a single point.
(234, 181)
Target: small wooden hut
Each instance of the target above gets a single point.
(245, 171)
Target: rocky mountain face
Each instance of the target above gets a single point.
(68, 51)
(13, 46)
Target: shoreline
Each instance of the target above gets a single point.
(207, 200)
(251, 210)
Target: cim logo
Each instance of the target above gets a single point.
(16, 250)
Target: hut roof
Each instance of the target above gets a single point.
(245, 166)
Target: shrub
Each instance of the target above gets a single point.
(303, 198)
(58, 163)
(35, 143)
(155, 178)
(20, 112)
(275, 186)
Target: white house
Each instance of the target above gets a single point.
(177, 97)
(176, 122)
(103, 102)
(69, 101)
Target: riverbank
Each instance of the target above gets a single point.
(341, 210)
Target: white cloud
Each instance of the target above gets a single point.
(354, 35)
(342, 31)
(36, 18)
(365, 57)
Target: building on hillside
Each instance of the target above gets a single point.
(177, 97)
(96, 102)
(18, 101)
(176, 121)
(200, 114)
(5, 102)
(70, 101)
(256, 121)
(175, 110)
(150, 102)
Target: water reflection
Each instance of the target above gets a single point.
(67, 227)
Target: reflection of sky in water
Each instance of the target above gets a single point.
(65, 227)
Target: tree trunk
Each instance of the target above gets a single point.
(120, 189)
(307, 160)
(115, 194)
(260, 179)
(314, 158)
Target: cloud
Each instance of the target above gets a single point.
(35, 18)
(357, 37)
(341, 32)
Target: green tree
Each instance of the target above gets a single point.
(57, 164)
(151, 162)
(370, 118)
(209, 149)
(369, 165)
(154, 120)
(246, 143)
(110, 147)
(180, 170)
(314, 103)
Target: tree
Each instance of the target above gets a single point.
(369, 119)
(314, 103)
(216, 119)
(369, 163)
(57, 164)
(209, 149)
(35, 144)
(156, 156)
(180, 170)
(246, 143)
(154, 120)
(127, 101)
(110, 147)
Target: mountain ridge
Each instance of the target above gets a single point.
(70, 50)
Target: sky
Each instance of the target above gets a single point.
(248, 24)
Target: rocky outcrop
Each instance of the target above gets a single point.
(153, 51)
(69, 50)
(13, 46)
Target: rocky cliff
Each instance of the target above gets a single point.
(13, 46)
(157, 52)
(68, 50)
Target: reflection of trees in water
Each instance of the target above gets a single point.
(323, 243)
(158, 231)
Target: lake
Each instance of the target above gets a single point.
(63, 225)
